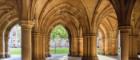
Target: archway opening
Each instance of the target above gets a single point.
(59, 41)
(14, 41)
(100, 42)
(107, 40)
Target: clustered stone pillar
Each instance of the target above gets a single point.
(47, 46)
(6, 45)
(39, 46)
(103, 45)
(1, 46)
(70, 46)
(43, 46)
(106, 46)
(26, 27)
(133, 47)
(138, 43)
(114, 46)
(124, 37)
(74, 47)
(35, 36)
(90, 47)
(114, 43)
(80, 46)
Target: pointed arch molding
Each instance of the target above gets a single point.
(123, 10)
(8, 19)
(67, 12)
(106, 12)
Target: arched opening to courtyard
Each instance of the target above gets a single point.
(13, 42)
(59, 41)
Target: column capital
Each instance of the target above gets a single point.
(27, 24)
(124, 27)
(89, 34)
(136, 35)
(35, 33)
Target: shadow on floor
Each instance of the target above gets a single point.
(64, 57)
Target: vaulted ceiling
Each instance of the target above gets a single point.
(89, 9)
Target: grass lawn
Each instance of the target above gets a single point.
(59, 50)
(17, 51)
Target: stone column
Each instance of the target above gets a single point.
(26, 27)
(124, 38)
(6, 45)
(1, 46)
(103, 45)
(74, 47)
(138, 45)
(70, 46)
(133, 47)
(39, 46)
(106, 46)
(47, 46)
(34, 37)
(43, 44)
(114, 47)
(81, 46)
(90, 47)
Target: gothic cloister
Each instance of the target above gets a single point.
(95, 27)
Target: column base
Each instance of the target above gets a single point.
(101, 53)
(78, 56)
(74, 55)
(133, 58)
(2, 56)
(48, 55)
(7, 55)
(90, 58)
(70, 54)
(109, 54)
(115, 54)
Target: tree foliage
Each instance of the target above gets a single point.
(59, 31)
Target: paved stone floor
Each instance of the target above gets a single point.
(15, 57)
(62, 57)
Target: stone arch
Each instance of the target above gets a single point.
(106, 39)
(70, 14)
(103, 40)
(5, 28)
(135, 26)
(70, 10)
(8, 16)
(136, 32)
(6, 36)
(70, 28)
(67, 20)
(106, 12)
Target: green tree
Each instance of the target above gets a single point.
(60, 31)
